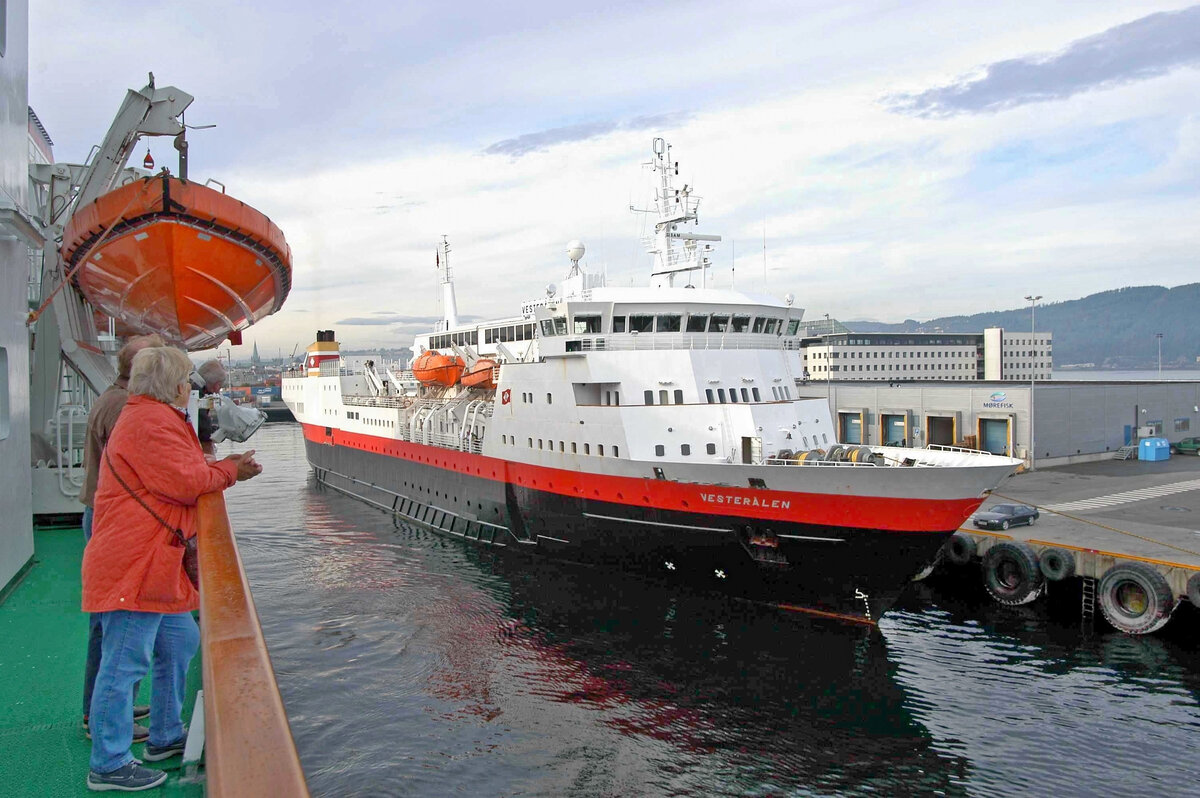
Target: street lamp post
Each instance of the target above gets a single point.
(1032, 300)
(1159, 337)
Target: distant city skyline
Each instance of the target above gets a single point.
(910, 161)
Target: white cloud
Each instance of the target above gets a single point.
(364, 139)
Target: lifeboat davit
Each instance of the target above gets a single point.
(481, 374)
(181, 259)
(434, 368)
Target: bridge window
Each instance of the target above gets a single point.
(773, 324)
(618, 324)
(641, 324)
(560, 325)
(587, 325)
(758, 324)
(793, 325)
(668, 323)
(718, 324)
(697, 323)
(547, 329)
(740, 324)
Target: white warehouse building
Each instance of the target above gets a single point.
(993, 354)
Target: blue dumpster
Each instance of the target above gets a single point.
(1154, 449)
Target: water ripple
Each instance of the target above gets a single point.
(412, 664)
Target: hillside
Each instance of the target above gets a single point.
(1114, 329)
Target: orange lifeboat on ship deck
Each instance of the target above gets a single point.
(434, 368)
(170, 256)
(481, 375)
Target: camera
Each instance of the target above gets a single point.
(220, 419)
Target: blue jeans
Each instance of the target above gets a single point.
(130, 640)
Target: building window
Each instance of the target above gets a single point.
(1181, 424)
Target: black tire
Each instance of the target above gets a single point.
(959, 549)
(1011, 574)
(1057, 565)
(1004, 524)
(1193, 589)
(1135, 598)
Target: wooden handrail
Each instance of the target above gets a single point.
(248, 748)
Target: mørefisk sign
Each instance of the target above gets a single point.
(998, 401)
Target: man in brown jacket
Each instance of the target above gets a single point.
(101, 420)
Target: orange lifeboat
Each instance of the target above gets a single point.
(480, 375)
(170, 256)
(434, 368)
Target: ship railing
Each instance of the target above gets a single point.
(817, 463)
(670, 341)
(939, 447)
(248, 744)
(378, 401)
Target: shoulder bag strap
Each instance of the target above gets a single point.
(174, 530)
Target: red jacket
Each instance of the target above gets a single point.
(131, 562)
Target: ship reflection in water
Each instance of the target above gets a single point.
(410, 663)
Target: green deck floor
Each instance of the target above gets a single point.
(43, 644)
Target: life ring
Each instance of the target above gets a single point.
(960, 548)
(1010, 573)
(1135, 598)
(1193, 589)
(1057, 564)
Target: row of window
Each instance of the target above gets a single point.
(354, 415)
(593, 324)
(527, 398)
(509, 332)
(685, 449)
(965, 340)
(546, 444)
(837, 355)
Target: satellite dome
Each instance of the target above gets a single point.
(575, 250)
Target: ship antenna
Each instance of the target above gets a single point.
(449, 304)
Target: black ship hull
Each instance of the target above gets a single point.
(849, 572)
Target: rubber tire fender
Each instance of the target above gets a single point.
(1161, 601)
(1057, 565)
(960, 549)
(1029, 583)
(1193, 589)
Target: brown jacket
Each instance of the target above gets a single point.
(101, 421)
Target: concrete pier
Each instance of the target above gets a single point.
(1107, 513)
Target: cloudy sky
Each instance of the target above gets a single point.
(903, 159)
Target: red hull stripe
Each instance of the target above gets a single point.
(867, 512)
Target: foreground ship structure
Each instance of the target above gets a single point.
(654, 429)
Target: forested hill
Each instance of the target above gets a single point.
(1114, 328)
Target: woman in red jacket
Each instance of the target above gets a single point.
(133, 566)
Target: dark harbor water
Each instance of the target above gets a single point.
(411, 664)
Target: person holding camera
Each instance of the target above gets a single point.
(209, 378)
(152, 475)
